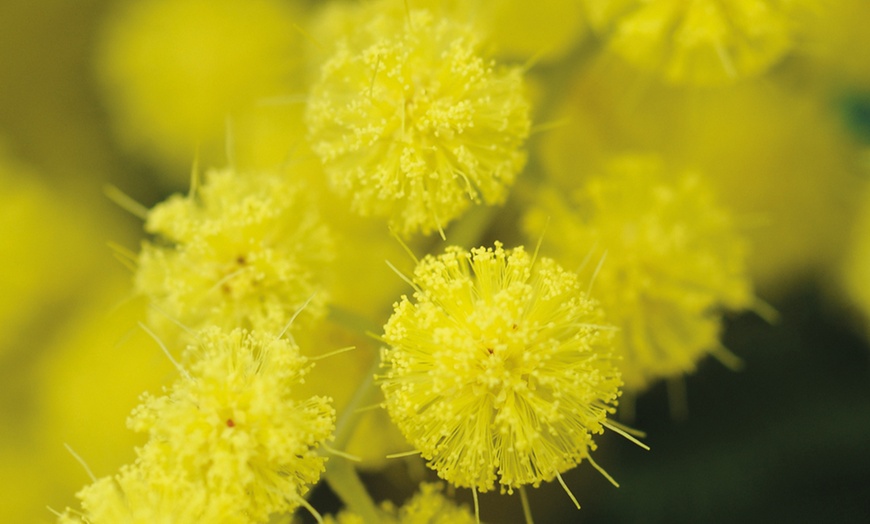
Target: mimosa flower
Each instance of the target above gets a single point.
(500, 369)
(174, 70)
(233, 423)
(243, 251)
(131, 497)
(431, 506)
(428, 506)
(519, 29)
(699, 41)
(414, 123)
(673, 262)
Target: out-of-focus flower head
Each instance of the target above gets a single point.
(428, 506)
(500, 370)
(518, 29)
(175, 70)
(774, 154)
(671, 260)
(700, 42)
(48, 252)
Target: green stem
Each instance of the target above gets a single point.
(340, 473)
(350, 415)
(344, 481)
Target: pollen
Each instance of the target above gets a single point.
(413, 123)
(500, 369)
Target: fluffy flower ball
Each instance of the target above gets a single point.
(700, 41)
(673, 261)
(233, 423)
(500, 369)
(173, 70)
(229, 442)
(414, 123)
(136, 496)
(428, 506)
(243, 251)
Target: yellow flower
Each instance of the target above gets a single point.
(672, 262)
(428, 506)
(244, 251)
(232, 423)
(49, 249)
(414, 123)
(520, 29)
(131, 497)
(700, 41)
(174, 70)
(500, 370)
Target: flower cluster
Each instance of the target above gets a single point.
(431, 134)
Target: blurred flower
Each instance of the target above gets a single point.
(671, 260)
(174, 70)
(427, 506)
(697, 41)
(518, 29)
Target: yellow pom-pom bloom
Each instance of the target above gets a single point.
(672, 262)
(244, 251)
(174, 70)
(133, 497)
(414, 123)
(500, 370)
(699, 42)
(519, 29)
(232, 423)
(428, 506)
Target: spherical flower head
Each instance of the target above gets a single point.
(673, 261)
(500, 369)
(134, 496)
(414, 123)
(699, 42)
(233, 423)
(243, 251)
(173, 70)
(519, 29)
(428, 506)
